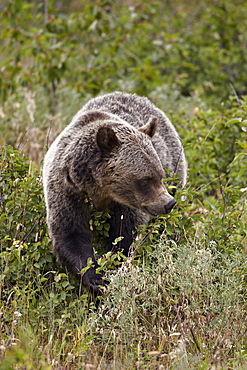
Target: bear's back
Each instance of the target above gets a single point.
(136, 111)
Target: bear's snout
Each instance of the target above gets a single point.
(169, 206)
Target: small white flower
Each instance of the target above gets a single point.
(17, 313)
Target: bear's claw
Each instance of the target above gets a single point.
(93, 282)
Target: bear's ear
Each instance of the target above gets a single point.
(151, 127)
(107, 139)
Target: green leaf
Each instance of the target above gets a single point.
(234, 120)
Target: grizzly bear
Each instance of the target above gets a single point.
(115, 152)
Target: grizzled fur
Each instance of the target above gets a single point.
(114, 151)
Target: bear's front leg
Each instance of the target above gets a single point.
(123, 223)
(75, 252)
(68, 221)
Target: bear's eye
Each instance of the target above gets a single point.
(144, 184)
(146, 180)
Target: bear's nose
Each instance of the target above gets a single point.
(168, 207)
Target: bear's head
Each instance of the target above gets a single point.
(130, 170)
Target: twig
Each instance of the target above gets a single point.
(47, 137)
(133, 254)
(195, 340)
(46, 13)
(235, 93)
(21, 141)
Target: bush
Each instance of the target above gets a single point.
(24, 243)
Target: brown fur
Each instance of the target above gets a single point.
(114, 151)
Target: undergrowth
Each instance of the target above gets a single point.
(180, 302)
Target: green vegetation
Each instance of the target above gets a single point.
(181, 303)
